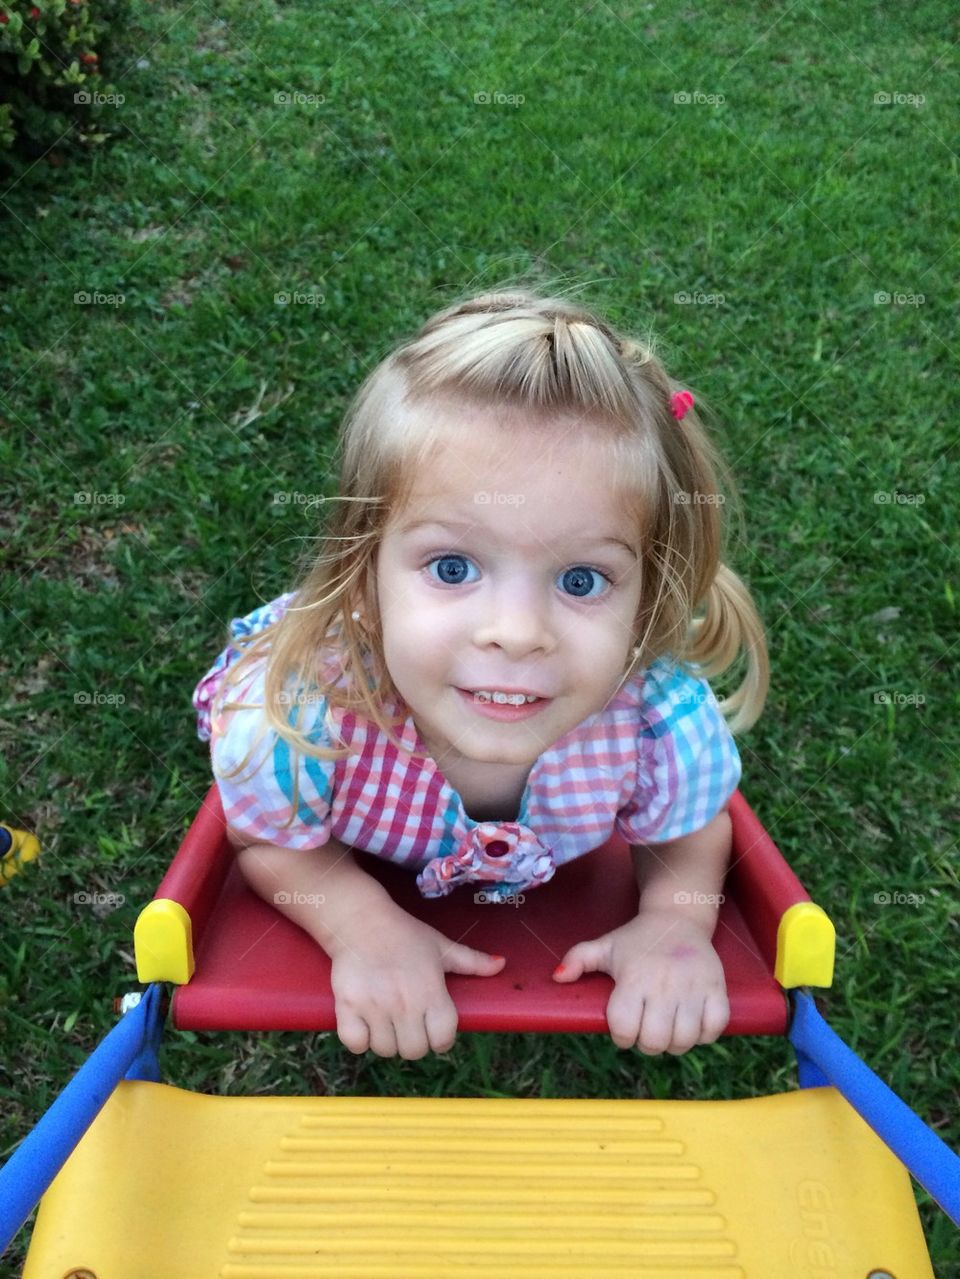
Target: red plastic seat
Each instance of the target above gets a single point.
(255, 970)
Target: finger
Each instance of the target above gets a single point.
(687, 1024)
(383, 1039)
(624, 1014)
(716, 1018)
(441, 1026)
(457, 958)
(352, 1031)
(411, 1036)
(585, 957)
(656, 1028)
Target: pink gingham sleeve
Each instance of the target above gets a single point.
(688, 762)
(258, 802)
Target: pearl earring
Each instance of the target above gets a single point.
(355, 615)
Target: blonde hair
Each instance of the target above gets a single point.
(549, 357)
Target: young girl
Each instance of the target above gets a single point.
(494, 663)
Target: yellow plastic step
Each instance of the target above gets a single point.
(169, 1184)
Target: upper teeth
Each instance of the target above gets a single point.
(513, 699)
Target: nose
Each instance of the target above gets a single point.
(516, 618)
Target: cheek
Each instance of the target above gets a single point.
(397, 591)
(602, 663)
(394, 615)
(609, 639)
(415, 628)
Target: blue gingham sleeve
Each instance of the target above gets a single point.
(688, 765)
(206, 690)
(258, 802)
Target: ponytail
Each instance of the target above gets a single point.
(731, 624)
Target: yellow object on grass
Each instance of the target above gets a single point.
(169, 1184)
(17, 847)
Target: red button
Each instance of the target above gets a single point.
(497, 848)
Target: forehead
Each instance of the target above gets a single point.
(484, 466)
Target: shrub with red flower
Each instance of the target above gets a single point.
(50, 62)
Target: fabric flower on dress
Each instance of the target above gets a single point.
(491, 853)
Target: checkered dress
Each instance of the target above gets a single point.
(656, 763)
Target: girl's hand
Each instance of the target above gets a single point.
(388, 984)
(670, 991)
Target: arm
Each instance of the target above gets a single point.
(387, 968)
(685, 876)
(669, 991)
(323, 890)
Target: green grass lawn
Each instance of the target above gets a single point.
(784, 209)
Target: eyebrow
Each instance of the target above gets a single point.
(466, 527)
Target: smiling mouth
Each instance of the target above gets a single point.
(495, 705)
(507, 699)
(486, 696)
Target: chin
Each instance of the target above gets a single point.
(504, 749)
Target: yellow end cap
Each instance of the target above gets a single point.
(24, 848)
(163, 942)
(806, 942)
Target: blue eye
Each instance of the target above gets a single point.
(577, 580)
(450, 568)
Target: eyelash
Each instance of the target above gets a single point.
(443, 555)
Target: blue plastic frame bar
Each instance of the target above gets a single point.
(128, 1051)
(823, 1058)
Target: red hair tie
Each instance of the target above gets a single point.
(680, 401)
